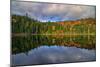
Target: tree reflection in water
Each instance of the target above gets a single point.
(23, 44)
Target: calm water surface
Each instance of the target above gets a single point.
(39, 49)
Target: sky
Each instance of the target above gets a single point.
(52, 12)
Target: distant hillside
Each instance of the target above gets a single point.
(23, 24)
(77, 22)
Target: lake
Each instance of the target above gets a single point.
(52, 49)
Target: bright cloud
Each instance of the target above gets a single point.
(52, 12)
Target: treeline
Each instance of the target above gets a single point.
(24, 24)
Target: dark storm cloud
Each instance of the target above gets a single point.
(53, 12)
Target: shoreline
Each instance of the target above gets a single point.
(26, 34)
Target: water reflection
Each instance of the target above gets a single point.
(53, 54)
(26, 43)
(42, 49)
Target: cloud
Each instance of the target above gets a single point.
(52, 12)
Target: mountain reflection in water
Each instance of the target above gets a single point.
(52, 49)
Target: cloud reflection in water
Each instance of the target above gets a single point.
(53, 54)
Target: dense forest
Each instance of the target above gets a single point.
(26, 25)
